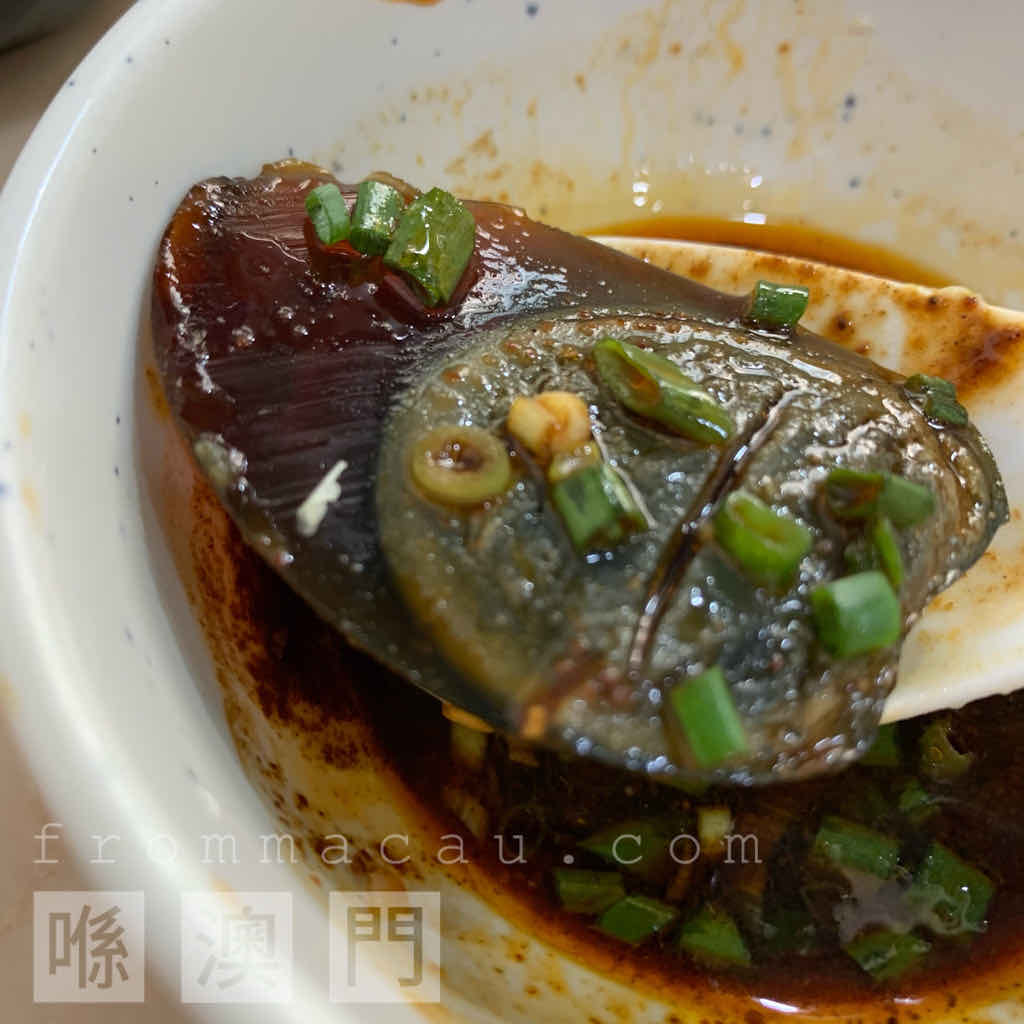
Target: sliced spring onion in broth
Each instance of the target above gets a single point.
(653, 386)
(460, 465)
(856, 614)
(328, 212)
(711, 936)
(777, 305)
(637, 919)
(956, 893)
(940, 760)
(856, 846)
(641, 848)
(886, 955)
(588, 892)
(433, 243)
(704, 708)
(767, 544)
(885, 752)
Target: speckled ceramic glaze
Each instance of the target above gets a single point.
(865, 118)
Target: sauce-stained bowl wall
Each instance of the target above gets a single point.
(866, 118)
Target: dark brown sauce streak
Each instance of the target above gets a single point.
(684, 543)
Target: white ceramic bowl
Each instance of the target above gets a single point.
(872, 119)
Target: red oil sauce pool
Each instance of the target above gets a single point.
(786, 239)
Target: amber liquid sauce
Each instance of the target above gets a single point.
(786, 239)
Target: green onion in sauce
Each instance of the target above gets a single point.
(637, 919)
(767, 544)
(597, 507)
(704, 708)
(653, 386)
(777, 305)
(711, 936)
(433, 243)
(856, 614)
(375, 217)
(328, 213)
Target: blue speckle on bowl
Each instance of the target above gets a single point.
(855, 182)
(3, 489)
(531, 10)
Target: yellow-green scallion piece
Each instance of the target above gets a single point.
(955, 894)
(597, 507)
(886, 955)
(856, 614)
(653, 386)
(637, 919)
(940, 760)
(588, 892)
(855, 846)
(853, 494)
(704, 708)
(375, 217)
(887, 547)
(433, 243)
(777, 305)
(641, 848)
(768, 545)
(940, 401)
(328, 212)
(886, 751)
(712, 937)
(460, 465)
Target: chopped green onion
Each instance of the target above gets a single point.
(856, 847)
(940, 399)
(853, 494)
(597, 507)
(940, 760)
(711, 936)
(375, 217)
(945, 410)
(588, 892)
(885, 752)
(904, 502)
(636, 919)
(856, 614)
(705, 709)
(460, 465)
(653, 386)
(917, 803)
(789, 929)
(433, 243)
(886, 955)
(777, 305)
(955, 893)
(640, 848)
(767, 544)
(923, 383)
(328, 211)
(887, 545)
